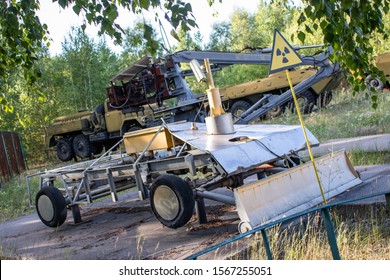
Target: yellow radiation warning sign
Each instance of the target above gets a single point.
(283, 55)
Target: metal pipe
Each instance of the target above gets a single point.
(28, 177)
(280, 163)
(216, 197)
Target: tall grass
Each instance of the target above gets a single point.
(363, 232)
(347, 115)
(14, 200)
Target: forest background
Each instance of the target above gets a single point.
(76, 79)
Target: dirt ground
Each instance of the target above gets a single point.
(128, 229)
(123, 230)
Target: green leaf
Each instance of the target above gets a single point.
(63, 3)
(112, 13)
(174, 35)
(148, 31)
(301, 36)
(144, 4)
(77, 9)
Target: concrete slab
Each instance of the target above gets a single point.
(371, 143)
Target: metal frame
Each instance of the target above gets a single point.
(208, 161)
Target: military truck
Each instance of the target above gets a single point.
(138, 101)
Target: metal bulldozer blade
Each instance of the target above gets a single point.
(295, 190)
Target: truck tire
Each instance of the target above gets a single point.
(82, 146)
(275, 112)
(64, 149)
(325, 99)
(97, 148)
(172, 201)
(306, 102)
(51, 206)
(376, 83)
(238, 108)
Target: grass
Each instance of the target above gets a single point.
(346, 116)
(360, 158)
(14, 200)
(363, 232)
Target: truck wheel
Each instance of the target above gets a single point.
(51, 206)
(64, 149)
(325, 98)
(306, 102)
(172, 201)
(82, 146)
(276, 111)
(376, 83)
(97, 148)
(238, 108)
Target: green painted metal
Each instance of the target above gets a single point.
(387, 196)
(23, 151)
(331, 234)
(266, 244)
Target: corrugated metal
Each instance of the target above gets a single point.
(11, 156)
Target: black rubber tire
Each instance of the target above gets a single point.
(174, 211)
(64, 149)
(325, 99)
(375, 83)
(51, 206)
(275, 112)
(238, 108)
(97, 148)
(306, 100)
(110, 143)
(82, 146)
(133, 128)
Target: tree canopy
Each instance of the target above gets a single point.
(37, 87)
(346, 25)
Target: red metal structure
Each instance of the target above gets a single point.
(12, 160)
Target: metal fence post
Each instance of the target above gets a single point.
(330, 232)
(266, 244)
(387, 197)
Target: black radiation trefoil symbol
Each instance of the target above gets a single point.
(279, 53)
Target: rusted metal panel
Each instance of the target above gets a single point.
(11, 155)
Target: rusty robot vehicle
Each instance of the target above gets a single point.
(178, 165)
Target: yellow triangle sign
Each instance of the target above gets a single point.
(283, 54)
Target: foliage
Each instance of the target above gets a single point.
(344, 117)
(362, 232)
(247, 31)
(14, 200)
(221, 37)
(21, 37)
(76, 79)
(347, 26)
(22, 34)
(136, 46)
(86, 81)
